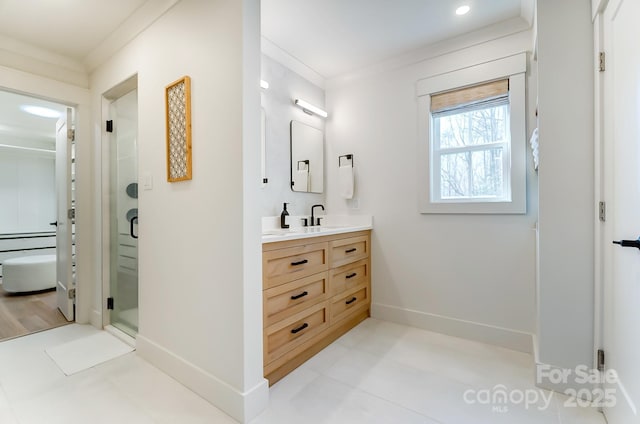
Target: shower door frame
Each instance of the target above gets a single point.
(109, 97)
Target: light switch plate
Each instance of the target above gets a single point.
(147, 181)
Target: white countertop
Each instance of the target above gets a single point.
(332, 224)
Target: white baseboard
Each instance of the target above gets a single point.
(96, 319)
(121, 335)
(241, 406)
(625, 410)
(504, 337)
(562, 386)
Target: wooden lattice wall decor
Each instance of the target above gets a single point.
(178, 104)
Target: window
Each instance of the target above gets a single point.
(472, 141)
(470, 144)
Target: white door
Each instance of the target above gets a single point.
(64, 231)
(621, 308)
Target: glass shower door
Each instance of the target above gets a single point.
(123, 214)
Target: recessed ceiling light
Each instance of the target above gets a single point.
(44, 112)
(462, 10)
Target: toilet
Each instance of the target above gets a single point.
(29, 273)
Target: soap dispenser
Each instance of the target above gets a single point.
(283, 217)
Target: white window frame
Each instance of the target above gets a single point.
(514, 68)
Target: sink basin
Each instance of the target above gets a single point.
(302, 230)
(296, 231)
(271, 231)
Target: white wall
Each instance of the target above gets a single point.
(567, 204)
(199, 247)
(27, 190)
(277, 101)
(471, 276)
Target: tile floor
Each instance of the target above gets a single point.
(382, 372)
(377, 373)
(126, 390)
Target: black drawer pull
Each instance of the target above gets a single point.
(297, 330)
(349, 302)
(302, 262)
(350, 275)
(353, 249)
(298, 296)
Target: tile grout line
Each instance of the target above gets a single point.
(10, 404)
(380, 358)
(323, 374)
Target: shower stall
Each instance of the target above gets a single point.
(122, 131)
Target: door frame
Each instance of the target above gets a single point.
(603, 163)
(77, 97)
(108, 97)
(600, 194)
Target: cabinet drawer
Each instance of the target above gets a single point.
(345, 251)
(349, 276)
(290, 298)
(342, 306)
(283, 265)
(293, 331)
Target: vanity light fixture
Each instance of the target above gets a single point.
(310, 109)
(264, 84)
(462, 10)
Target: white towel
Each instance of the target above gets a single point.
(345, 181)
(535, 148)
(301, 181)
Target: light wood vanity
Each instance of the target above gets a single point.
(314, 290)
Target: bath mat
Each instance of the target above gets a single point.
(87, 352)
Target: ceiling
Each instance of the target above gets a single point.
(71, 28)
(18, 127)
(334, 37)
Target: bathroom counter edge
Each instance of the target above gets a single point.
(309, 232)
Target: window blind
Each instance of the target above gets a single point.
(447, 100)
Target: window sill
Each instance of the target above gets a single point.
(468, 207)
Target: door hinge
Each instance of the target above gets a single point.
(109, 127)
(71, 134)
(602, 62)
(600, 360)
(110, 303)
(71, 293)
(71, 213)
(602, 211)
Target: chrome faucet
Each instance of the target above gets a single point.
(313, 221)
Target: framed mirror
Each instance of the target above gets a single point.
(307, 158)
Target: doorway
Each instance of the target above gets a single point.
(122, 167)
(32, 181)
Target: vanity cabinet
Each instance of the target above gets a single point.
(314, 290)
